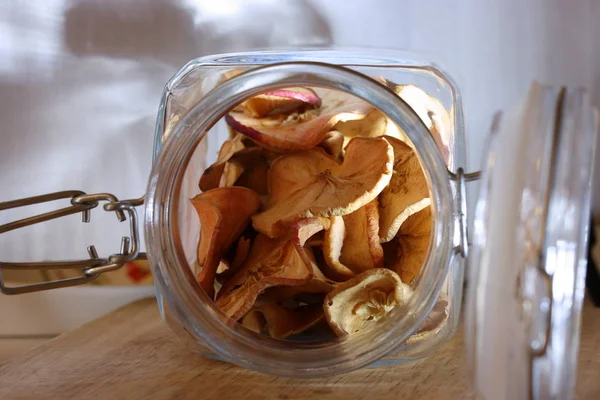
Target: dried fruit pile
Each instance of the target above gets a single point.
(316, 212)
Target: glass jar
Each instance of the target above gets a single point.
(531, 221)
(194, 100)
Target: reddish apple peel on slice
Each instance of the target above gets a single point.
(224, 213)
(300, 131)
(280, 322)
(312, 183)
(274, 101)
(406, 194)
(280, 261)
(281, 101)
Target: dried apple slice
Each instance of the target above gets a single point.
(361, 250)
(225, 77)
(333, 144)
(317, 273)
(238, 257)
(270, 262)
(280, 322)
(413, 243)
(312, 183)
(241, 252)
(432, 113)
(275, 101)
(352, 245)
(306, 228)
(231, 173)
(280, 102)
(429, 109)
(406, 194)
(300, 131)
(375, 124)
(318, 284)
(434, 322)
(211, 177)
(363, 300)
(316, 240)
(310, 292)
(254, 176)
(230, 74)
(390, 253)
(224, 213)
(280, 261)
(332, 249)
(223, 266)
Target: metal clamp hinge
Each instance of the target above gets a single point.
(90, 268)
(461, 178)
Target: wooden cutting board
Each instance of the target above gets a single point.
(130, 354)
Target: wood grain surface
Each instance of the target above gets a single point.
(130, 354)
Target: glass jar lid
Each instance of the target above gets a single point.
(528, 260)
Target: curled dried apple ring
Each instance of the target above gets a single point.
(363, 300)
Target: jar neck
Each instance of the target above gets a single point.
(201, 316)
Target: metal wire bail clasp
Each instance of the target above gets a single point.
(90, 268)
(461, 178)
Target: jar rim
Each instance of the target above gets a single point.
(204, 319)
